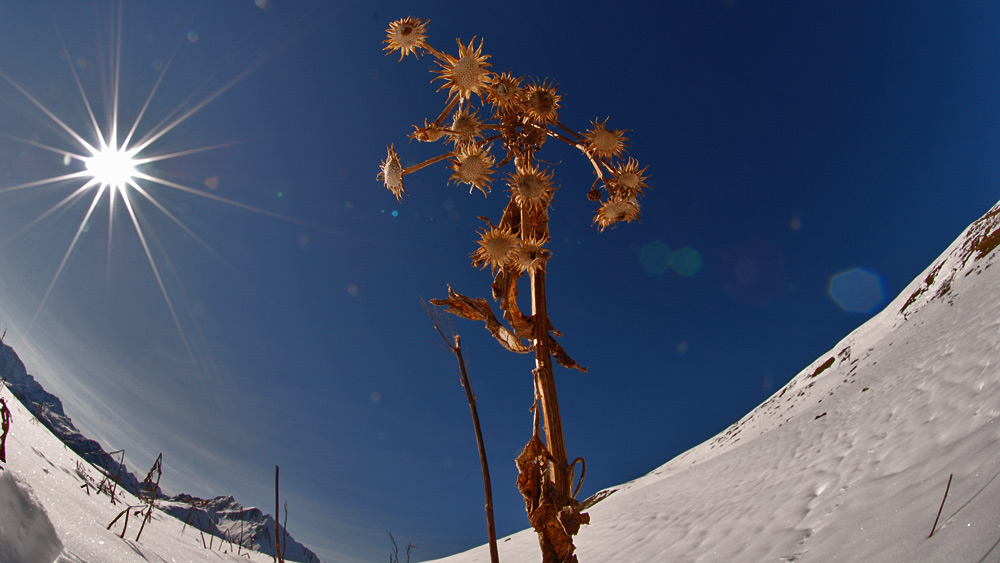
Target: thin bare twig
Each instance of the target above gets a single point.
(455, 345)
(942, 505)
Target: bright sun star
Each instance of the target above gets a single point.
(113, 167)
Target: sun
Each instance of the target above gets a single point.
(112, 167)
(102, 166)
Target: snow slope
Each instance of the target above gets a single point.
(849, 461)
(50, 509)
(222, 516)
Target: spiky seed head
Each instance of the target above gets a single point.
(407, 35)
(628, 179)
(428, 133)
(497, 248)
(531, 188)
(392, 173)
(603, 142)
(616, 209)
(473, 165)
(467, 74)
(505, 91)
(465, 126)
(541, 102)
(531, 256)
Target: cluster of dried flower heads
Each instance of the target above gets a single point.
(521, 114)
(489, 110)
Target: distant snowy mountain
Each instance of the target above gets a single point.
(47, 408)
(851, 460)
(28, 535)
(223, 517)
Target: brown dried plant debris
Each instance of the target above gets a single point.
(479, 310)
(555, 517)
(5, 420)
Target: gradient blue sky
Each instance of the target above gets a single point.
(787, 143)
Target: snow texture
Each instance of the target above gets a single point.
(850, 461)
(25, 528)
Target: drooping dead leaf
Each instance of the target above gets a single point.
(479, 310)
(554, 517)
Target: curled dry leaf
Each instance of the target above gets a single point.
(479, 310)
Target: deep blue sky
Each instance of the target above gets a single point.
(787, 142)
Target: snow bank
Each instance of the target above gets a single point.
(26, 534)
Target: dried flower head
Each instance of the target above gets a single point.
(428, 133)
(628, 179)
(616, 209)
(497, 249)
(407, 36)
(531, 188)
(541, 102)
(531, 256)
(465, 126)
(473, 165)
(392, 173)
(603, 142)
(467, 74)
(505, 91)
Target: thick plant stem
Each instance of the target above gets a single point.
(545, 382)
(491, 527)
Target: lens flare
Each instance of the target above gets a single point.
(857, 290)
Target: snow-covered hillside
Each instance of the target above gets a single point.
(222, 517)
(848, 462)
(50, 509)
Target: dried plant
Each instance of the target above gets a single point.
(394, 554)
(5, 420)
(454, 343)
(515, 116)
(150, 486)
(108, 484)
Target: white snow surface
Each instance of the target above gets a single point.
(50, 510)
(850, 461)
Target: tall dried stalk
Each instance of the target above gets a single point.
(5, 419)
(520, 116)
(277, 505)
(455, 345)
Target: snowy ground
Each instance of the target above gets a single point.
(849, 461)
(50, 510)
